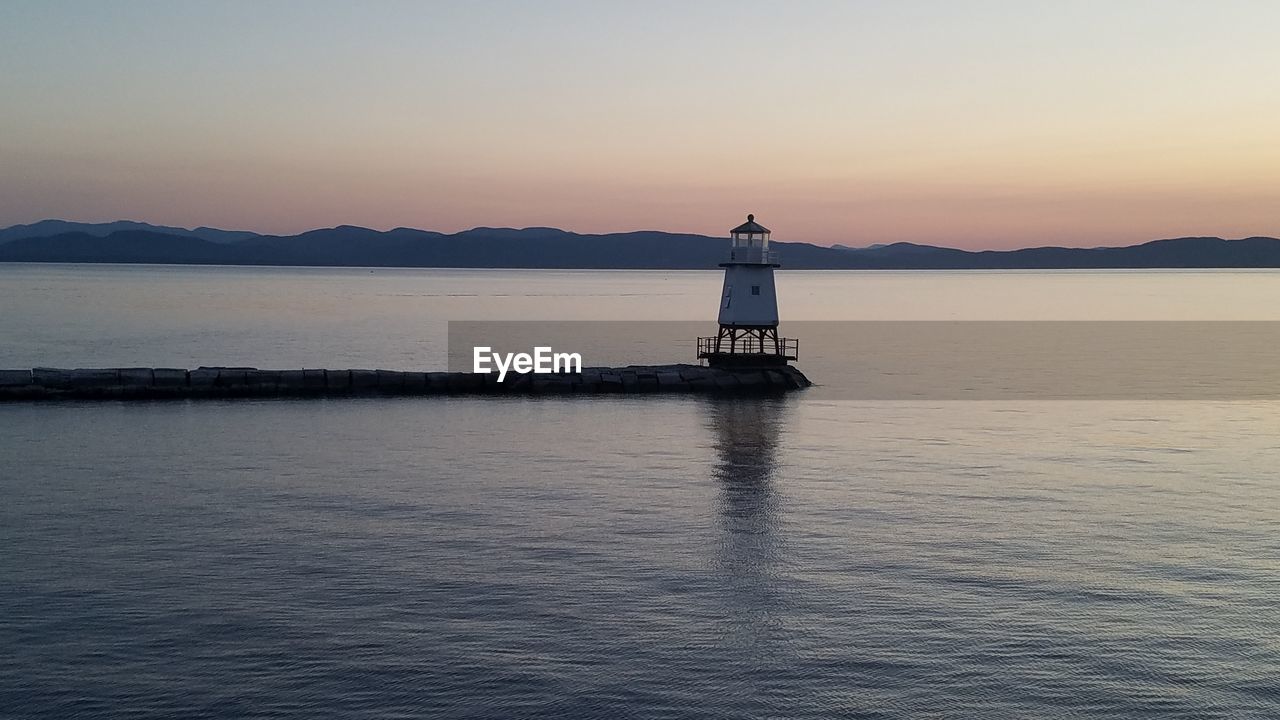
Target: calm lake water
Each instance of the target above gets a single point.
(645, 557)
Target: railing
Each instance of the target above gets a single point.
(753, 255)
(749, 345)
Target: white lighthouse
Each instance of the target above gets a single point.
(748, 305)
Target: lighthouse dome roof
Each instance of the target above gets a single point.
(750, 226)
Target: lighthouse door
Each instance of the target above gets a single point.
(728, 297)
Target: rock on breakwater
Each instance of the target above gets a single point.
(217, 382)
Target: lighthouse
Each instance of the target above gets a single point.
(748, 305)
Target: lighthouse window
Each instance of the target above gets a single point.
(755, 289)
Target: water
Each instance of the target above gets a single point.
(619, 557)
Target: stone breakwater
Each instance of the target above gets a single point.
(221, 382)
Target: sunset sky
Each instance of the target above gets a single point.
(970, 124)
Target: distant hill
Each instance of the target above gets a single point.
(128, 246)
(348, 245)
(48, 228)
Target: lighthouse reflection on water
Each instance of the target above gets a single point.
(746, 433)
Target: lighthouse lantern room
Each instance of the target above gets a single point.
(748, 305)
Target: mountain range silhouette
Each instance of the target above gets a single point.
(541, 247)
